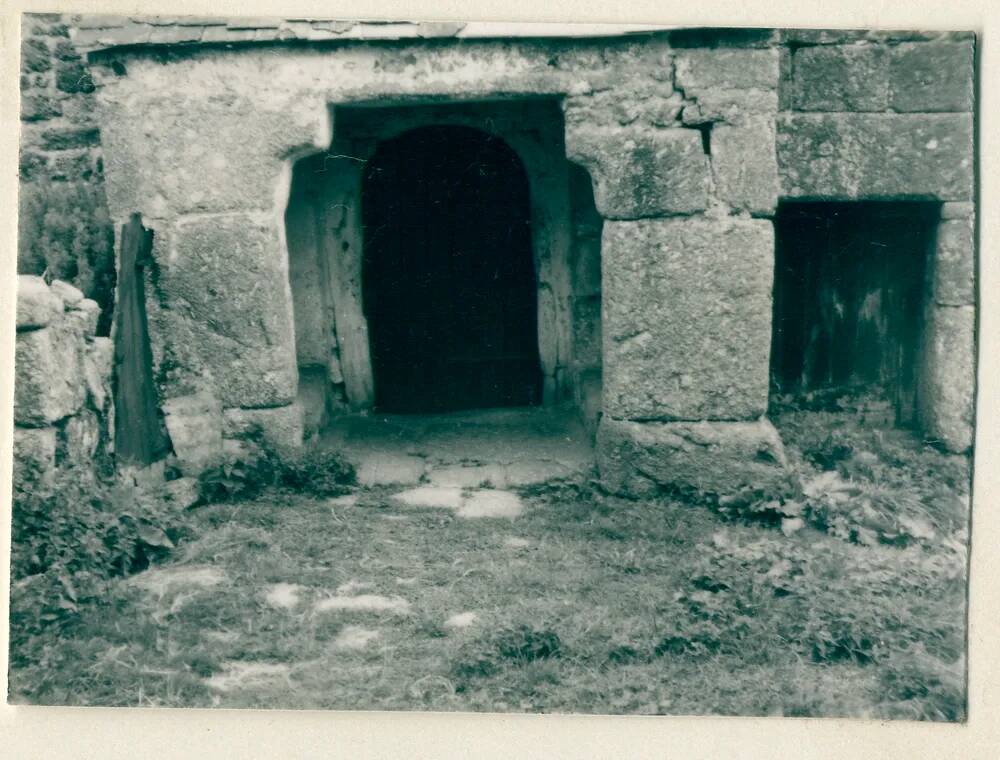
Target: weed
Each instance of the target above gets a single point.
(64, 228)
(623, 654)
(70, 539)
(482, 665)
(318, 471)
(525, 644)
(257, 467)
(512, 646)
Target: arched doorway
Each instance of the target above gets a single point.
(449, 282)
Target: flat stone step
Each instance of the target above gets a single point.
(499, 475)
(468, 504)
(501, 448)
(379, 468)
(468, 476)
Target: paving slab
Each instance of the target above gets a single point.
(283, 595)
(491, 503)
(363, 603)
(352, 587)
(378, 468)
(528, 473)
(461, 620)
(353, 637)
(441, 497)
(161, 580)
(347, 500)
(516, 542)
(468, 476)
(247, 675)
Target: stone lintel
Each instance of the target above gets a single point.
(854, 156)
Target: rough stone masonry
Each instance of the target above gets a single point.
(691, 138)
(62, 391)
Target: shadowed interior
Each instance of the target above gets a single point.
(849, 297)
(449, 282)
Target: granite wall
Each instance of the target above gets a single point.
(890, 117)
(690, 140)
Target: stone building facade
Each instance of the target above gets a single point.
(656, 165)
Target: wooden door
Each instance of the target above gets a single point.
(849, 297)
(449, 282)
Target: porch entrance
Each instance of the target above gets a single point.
(448, 274)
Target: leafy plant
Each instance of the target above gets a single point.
(64, 228)
(858, 478)
(319, 471)
(518, 646)
(70, 539)
(244, 476)
(525, 644)
(239, 477)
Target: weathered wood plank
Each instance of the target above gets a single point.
(139, 435)
(341, 244)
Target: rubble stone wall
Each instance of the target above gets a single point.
(63, 414)
(63, 223)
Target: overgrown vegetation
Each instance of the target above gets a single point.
(857, 477)
(64, 229)
(73, 537)
(587, 603)
(258, 467)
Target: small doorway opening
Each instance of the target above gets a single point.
(849, 298)
(448, 274)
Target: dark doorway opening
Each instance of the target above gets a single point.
(849, 298)
(448, 275)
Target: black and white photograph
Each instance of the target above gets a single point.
(482, 367)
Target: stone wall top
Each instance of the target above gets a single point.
(102, 32)
(94, 33)
(62, 383)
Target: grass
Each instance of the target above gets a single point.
(605, 606)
